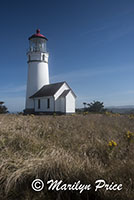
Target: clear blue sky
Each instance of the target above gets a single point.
(91, 46)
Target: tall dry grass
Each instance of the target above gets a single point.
(68, 148)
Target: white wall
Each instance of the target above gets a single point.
(38, 76)
(38, 56)
(63, 105)
(59, 103)
(70, 103)
(43, 104)
(67, 104)
(61, 90)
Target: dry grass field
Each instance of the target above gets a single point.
(69, 148)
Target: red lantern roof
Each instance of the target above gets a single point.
(38, 35)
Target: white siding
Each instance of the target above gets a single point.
(63, 105)
(60, 105)
(61, 90)
(43, 104)
(38, 56)
(38, 76)
(57, 105)
(70, 103)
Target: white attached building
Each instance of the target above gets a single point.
(42, 96)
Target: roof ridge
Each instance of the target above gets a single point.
(51, 89)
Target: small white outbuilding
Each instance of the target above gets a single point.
(56, 97)
(41, 96)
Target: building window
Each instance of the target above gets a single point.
(43, 57)
(48, 103)
(38, 103)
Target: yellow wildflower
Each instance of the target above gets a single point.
(112, 143)
(73, 114)
(129, 134)
(85, 113)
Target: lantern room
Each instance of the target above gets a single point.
(37, 42)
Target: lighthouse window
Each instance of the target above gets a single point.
(48, 103)
(38, 103)
(29, 58)
(43, 57)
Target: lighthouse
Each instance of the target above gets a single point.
(41, 96)
(38, 72)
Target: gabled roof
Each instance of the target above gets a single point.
(64, 94)
(48, 90)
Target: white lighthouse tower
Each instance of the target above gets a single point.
(38, 72)
(41, 96)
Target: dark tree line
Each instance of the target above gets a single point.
(95, 106)
(3, 108)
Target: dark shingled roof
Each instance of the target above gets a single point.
(48, 90)
(64, 93)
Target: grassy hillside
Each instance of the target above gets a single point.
(69, 148)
